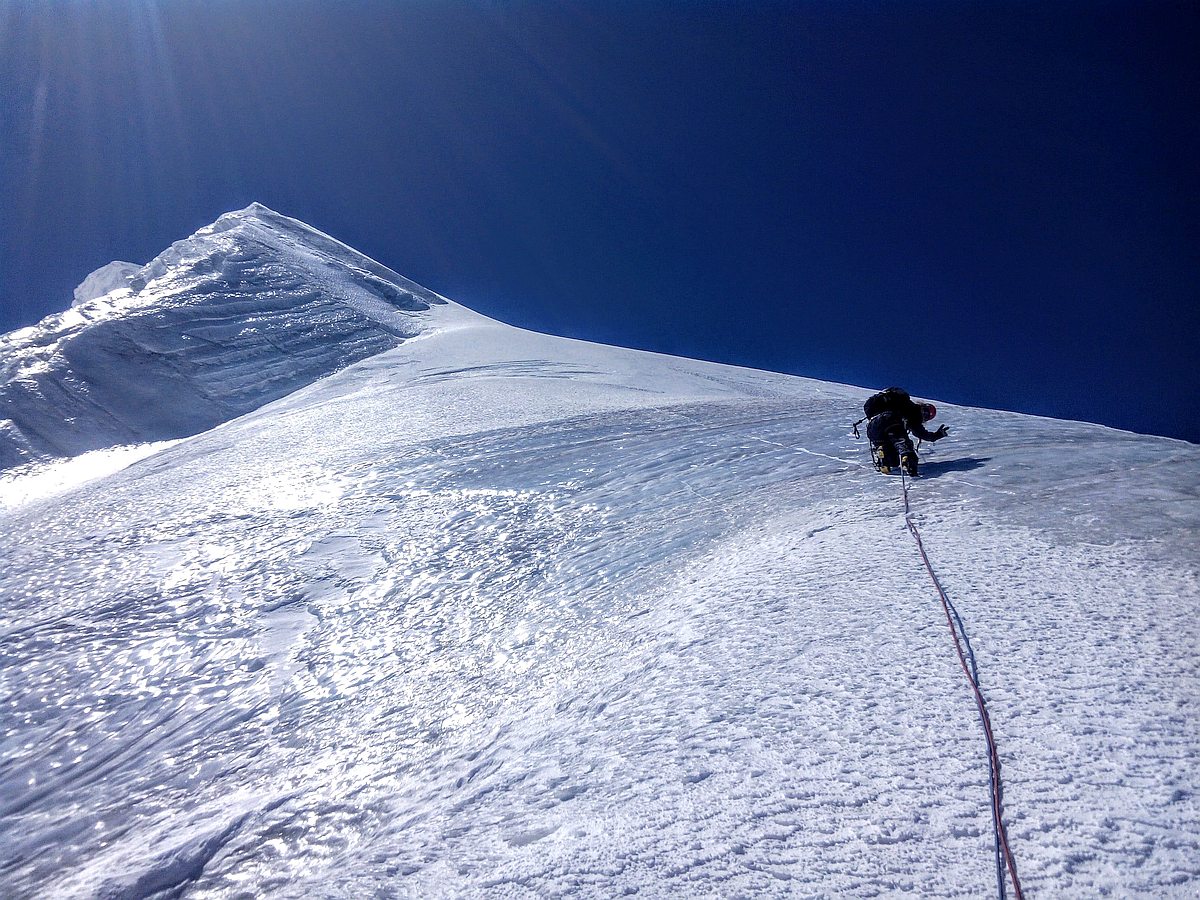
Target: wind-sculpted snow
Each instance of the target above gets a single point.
(106, 279)
(496, 614)
(243, 312)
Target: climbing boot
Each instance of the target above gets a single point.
(909, 461)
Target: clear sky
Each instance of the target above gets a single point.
(989, 203)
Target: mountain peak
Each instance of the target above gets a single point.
(243, 311)
(254, 209)
(257, 212)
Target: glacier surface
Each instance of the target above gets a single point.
(495, 613)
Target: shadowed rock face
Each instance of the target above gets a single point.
(243, 312)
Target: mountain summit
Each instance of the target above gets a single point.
(245, 311)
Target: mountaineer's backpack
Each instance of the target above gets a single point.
(889, 399)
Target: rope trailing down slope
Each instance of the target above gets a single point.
(1004, 856)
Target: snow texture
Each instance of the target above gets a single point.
(492, 613)
(108, 278)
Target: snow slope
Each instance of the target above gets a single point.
(502, 614)
(244, 311)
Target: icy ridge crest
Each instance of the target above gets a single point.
(244, 311)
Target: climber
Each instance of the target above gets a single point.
(891, 415)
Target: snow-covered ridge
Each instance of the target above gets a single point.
(496, 613)
(245, 311)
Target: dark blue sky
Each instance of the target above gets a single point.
(990, 203)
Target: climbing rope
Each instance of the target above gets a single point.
(1003, 853)
(1004, 856)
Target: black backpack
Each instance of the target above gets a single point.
(887, 400)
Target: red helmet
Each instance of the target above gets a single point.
(928, 411)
